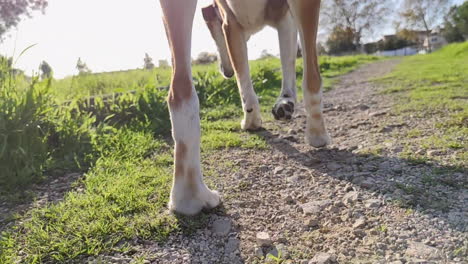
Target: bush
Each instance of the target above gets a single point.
(205, 58)
(341, 40)
(36, 134)
(213, 90)
(23, 139)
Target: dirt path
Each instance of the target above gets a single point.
(342, 204)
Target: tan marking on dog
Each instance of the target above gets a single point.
(308, 15)
(314, 102)
(180, 154)
(183, 92)
(317, 116)
(317, 130)
(275, 10)
(192, 180)
(232, 32)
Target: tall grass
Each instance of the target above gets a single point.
(36, 134)
(39, 133)
(23, 141)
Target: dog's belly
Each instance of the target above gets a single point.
(249, 13)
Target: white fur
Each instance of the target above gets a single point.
(185, 118)
(186, 130)
(249, 13)
(315, 140)
(287, 35)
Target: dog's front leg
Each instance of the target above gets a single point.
(287, 34)
(189, 193)
(306, 16)
(237, 47)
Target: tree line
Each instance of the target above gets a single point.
(349, 21)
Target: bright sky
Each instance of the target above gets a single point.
(108, 35)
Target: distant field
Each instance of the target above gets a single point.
(137, 80)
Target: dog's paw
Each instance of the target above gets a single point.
(283, 109)
(192, 205)
(318, 140)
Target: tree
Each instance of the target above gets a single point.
(456, 23)
(265, 55)
(408, 35)
(424, 14)
(205, 58)
(321, 50)
(82, 67)
(341, 40)
(393, 43)
(163, 63)
(359, 17)
(148, 62)
(12, 11)
(46, 70)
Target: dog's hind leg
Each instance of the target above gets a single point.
(287, 34)
(237, 47)
(306, 15)
(189, 193)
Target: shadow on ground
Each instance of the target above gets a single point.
(439, 190)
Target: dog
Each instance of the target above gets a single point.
(231, 23)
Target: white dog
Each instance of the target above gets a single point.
(231, 23)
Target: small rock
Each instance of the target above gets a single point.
(378, 113)
(231, 245)
(312, 162)
(278, 170)
(420, 250)
(350, 197)
(360, 223)
(373, 203)
(221, 227)
(119, 260)
(333, 166)
(359, 233)
(311, 222)
(362, 107)
(322, 258)
(289, 199)
(420, 152)
(315, 207)
(338, 204)
(259, 252)
(293, 179)
(263, 239)
(282, 250)
(434, 153)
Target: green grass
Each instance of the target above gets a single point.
(138, 80)
(435, 87)
(113, 206)
(121, 146)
